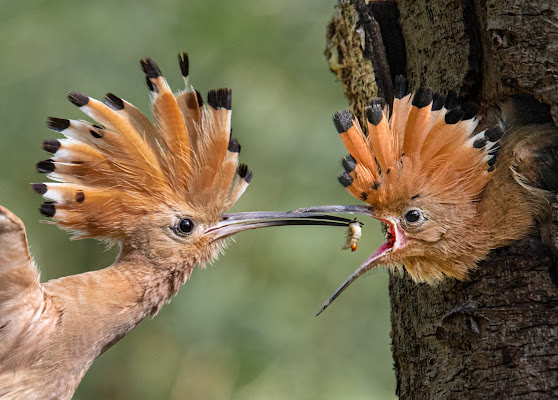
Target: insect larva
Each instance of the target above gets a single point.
(353, 234)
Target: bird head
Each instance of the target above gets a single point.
(421, 167)
(159, 187)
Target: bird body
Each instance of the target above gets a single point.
(159, 190)
(447, 190)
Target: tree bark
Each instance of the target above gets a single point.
(495, 336)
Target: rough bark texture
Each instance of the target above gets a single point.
(495, 336)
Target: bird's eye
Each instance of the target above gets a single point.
(413, 216)
(185, 226)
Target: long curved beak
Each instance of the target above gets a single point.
(238, 222)
(372, 261)
(320, 215)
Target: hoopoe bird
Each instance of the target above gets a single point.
(159, 190)
(445, 191)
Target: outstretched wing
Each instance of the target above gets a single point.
(25, 315)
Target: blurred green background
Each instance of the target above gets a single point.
(243, 328)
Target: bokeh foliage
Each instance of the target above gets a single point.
(244, 328)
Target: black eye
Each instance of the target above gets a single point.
(185, 226)
(413, 216)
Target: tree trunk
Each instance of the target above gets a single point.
(495, 336)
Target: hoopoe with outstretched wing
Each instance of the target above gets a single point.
(159, 190)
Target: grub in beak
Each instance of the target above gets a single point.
(375, 259)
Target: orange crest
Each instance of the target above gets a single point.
(128, 166)
(427, 146)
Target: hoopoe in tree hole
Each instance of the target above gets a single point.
(446, 191)
(159, 190)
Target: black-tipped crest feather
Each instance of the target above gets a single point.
(470, 110)
(57, 124)
(400, 87)
(451, 100)
(149, 84)
(343, 120)
(480, 143)
(39, 188)
(51, 145)
(374, 114)
(349, 163)
(47, 209)
(454, 116)
(150, 69)
(438, 101)
(219, 98)
(378, 101)
(45, 166)
(114, 102)
(184, 64)
(422, 97)
(234, 146)
(200, 98)
(494, 134)
(78, 99)
(242, 170)
(345, 179)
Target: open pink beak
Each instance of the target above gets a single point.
(375, 259)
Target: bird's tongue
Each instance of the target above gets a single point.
(370, 263)
(390, 239)
(382, 249)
